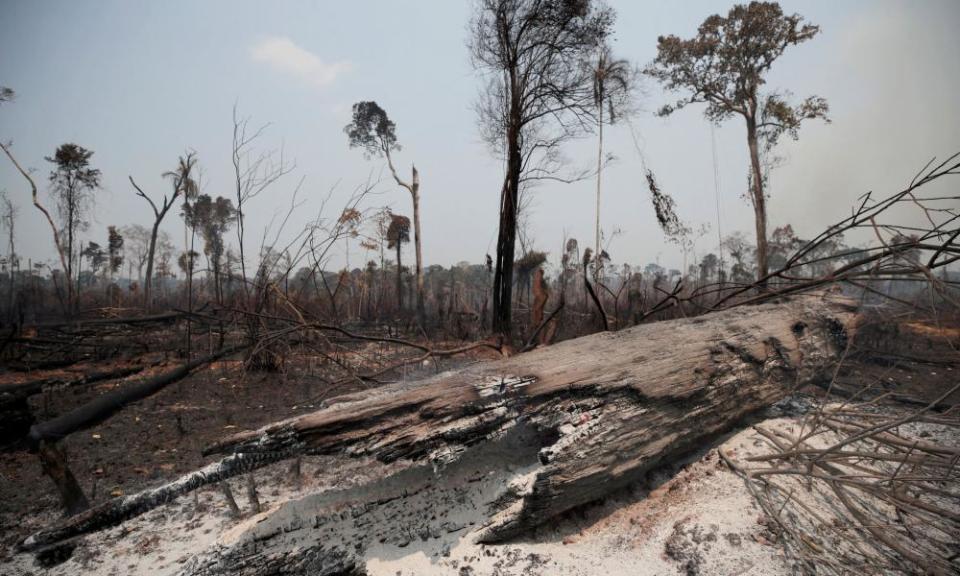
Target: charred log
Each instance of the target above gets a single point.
(106, 405)
(580, 420)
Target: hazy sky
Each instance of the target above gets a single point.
(140, 82)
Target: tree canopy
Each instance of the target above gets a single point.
(372, 130)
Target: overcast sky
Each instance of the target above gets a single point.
(140, 82)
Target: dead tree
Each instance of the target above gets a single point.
(182, 183)
(586, 417)
(61, 253)
(106, 405)
(537, 95)
(43, 436)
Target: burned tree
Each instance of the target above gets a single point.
(538, 94)
(724, 66)
(61, 253)
(373, 131)
(183, 183)
(579, 420)
(254, 171)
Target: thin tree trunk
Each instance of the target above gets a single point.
(252, 494)
(759, 202)
(231, 501)
(190, 265)
(399, 280)
(79, 272)
(415, 192)
(414, 188)
(13, 277)
(597, 259)
(70, 294)
(147, 282)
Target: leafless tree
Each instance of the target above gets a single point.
(254, 172)
(183, 183)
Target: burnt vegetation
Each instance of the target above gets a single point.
(134, 354)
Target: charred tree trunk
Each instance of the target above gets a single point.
(16, 417)
(523, 439)
(106, 405)
(54, 463)
(507, 235)
(399, 280)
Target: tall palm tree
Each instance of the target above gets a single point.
(612, 80)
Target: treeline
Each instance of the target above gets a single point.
(456, 298)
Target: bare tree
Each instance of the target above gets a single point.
(373, 131)
(537, 95)
(724, 66)
(254, 172)
(183, 183)
(36, 202)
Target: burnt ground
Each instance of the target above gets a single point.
(160, 437)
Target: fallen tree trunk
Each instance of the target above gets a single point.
(15, 415)
(129, 321)
(106, 405)
(10, 392)
(582, 418)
